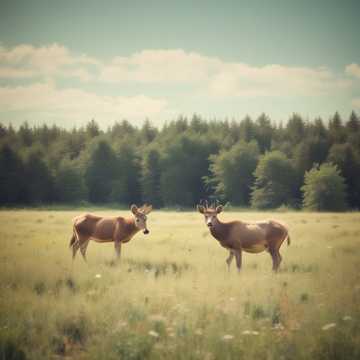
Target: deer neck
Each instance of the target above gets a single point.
(131, 228)
(219, 230)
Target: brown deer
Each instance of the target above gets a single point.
(107, 229)
(238, 236)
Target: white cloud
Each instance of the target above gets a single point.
(212, 78)
(160, 66)
(353, 70)
(45, 61)
(210, 75)
(238, 79)
(69, 105)
(220, 78)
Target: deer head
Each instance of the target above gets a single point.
(210, 213)
(140, 216)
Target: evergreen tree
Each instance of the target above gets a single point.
(69, 184)
(347, 160)
(353, 125)
(247, 129)
(264, 133)
(100, 173)
(295, 129)
(184, 164)
(92, 129)
(311, 150)
(147, 133)
(25, 135)
(38, 179)
(126, 182)
(336, 129)
(232, 172)
(150, 177)
(11, 177)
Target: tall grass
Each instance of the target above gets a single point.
(172, 296)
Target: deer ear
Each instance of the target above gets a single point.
(147, 209)
(219, 209)
(134, 209)
(201, 209)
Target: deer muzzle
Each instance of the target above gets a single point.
(146, 231)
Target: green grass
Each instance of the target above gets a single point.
(172, 296)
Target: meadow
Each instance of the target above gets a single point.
(172, 297)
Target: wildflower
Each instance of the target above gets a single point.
(278, 326)
(227, 337)
(328, 326)
(98, 276)
(347, 318)
(198, 332)
(250, 332)
(153, 333)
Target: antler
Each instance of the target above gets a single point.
(146, 208)
(215, 203)
(204, 203)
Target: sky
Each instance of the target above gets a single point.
(67, 62)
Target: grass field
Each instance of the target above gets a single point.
(172, 296)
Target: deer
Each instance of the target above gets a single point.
(108, 229)
(251, 237)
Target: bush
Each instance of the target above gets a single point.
(9, 350)
(275, 181)
(324, 189)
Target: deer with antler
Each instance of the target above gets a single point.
(239, 236)
(108, 229)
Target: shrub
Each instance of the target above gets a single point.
(10, 351)
(324, 189)
(275, 181)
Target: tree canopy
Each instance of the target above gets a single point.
(260, 162)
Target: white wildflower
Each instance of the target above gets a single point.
(250, 332)
(198, 332)
(227, 337)
(153, 333)
(328, 326)
(278, 326)
(347, 318)
(98, 276)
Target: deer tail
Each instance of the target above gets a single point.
(72, 241)
(288, 239)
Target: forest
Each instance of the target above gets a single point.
(260, 163)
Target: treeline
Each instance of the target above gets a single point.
(253, 162)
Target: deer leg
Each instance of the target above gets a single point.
(75, 248)
(83, 246)
(230, 259)
(238, 258)
(118, 249)
(276, 258)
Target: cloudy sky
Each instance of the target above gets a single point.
(67, 62)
